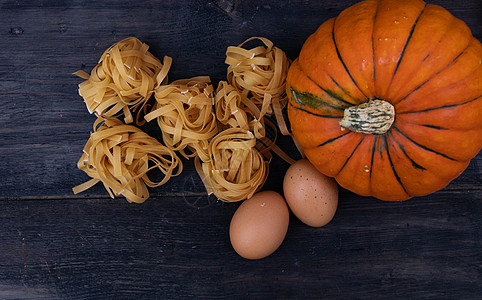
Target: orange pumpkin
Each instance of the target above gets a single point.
(387, 98)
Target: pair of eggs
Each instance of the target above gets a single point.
(260, 224)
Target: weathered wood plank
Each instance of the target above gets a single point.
(173, 247)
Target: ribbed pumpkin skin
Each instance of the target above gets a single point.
(416, 56)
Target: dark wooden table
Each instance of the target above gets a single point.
(54, 244)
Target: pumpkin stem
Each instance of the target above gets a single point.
(372, 117)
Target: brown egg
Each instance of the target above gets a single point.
(311, 196)
(259, 225)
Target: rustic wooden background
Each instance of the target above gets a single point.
(56, 245)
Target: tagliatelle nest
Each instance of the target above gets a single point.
(232, 112)
(120, 156)
(259, 74)
(232, 109)
(184, 112)
(123, 80)
(235, 170)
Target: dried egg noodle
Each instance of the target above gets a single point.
(184, 112)
(259, 74)
(231, 111)
(123, 80)
(225, 131)
(235, 170)
(118, 155)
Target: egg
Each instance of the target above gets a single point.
(259, 225)
(310, 195)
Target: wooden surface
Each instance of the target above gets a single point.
(56, 245)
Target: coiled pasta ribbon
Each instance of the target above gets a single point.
(120, 156)
(232, 109)
(123, 80)
(259, 74)
(235, 170)
(184, 113)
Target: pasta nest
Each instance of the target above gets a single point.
(259, 74)
(235, 169)
(185, 115)
(123, 79)
(231, 108)
(120, 156)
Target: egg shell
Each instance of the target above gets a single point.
(259, 225)
(311, 196)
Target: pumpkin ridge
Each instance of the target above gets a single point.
(314, 114)
(329, 92)
(342, 62)
(441, 107)
(373, 45)
(422, 146)
(341, 88)
(414, 163)
(374, 148)
(434, 75)
(351, 155)
(313, 100)
(406, 44)
(432, 126)
(332, 140)
(397, 177)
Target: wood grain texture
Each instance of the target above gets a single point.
(56, 245)
(170, 248)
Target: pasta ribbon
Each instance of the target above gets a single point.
(123, 80)
(259, 74)
(120, 156)
(235, 170)
(232, 111)
(184, 112)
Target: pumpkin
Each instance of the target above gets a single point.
(386, 98)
